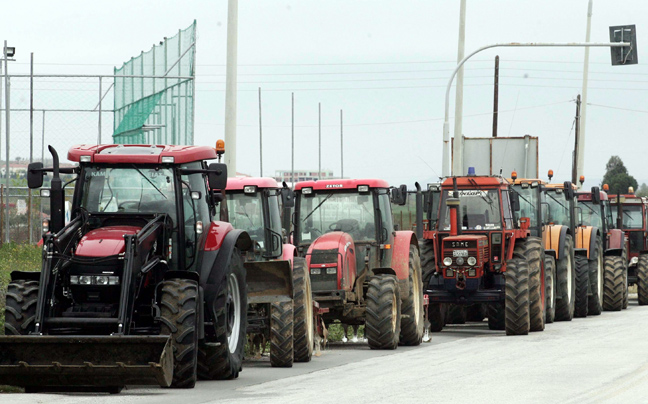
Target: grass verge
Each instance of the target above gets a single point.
(15, 257)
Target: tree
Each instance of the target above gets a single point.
(617, 177)
(643, 190)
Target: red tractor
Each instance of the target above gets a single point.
(479, 251)
(362, 270)
(142, 286)
(253, 204)
(596, 214)
(632, 217)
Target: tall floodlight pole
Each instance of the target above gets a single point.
(580, 164)
(319, 140)
(292, 139)
(7, 91)
(446, 125)
(31, 142)
(457, 159)
(341, 144)
(260, 138)
(230, 87)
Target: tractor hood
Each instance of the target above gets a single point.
(105, 241)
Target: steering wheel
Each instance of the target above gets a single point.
(128, 205)
(345, 225)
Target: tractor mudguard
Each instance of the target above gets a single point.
(586, 237)
(289, 252)
(555, 240)
(616, 240)
(188, 275)
(269, 281)
(25, 276)
(400, 252)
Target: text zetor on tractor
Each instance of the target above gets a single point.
(141, 286)
(481, 252)
(361, 269)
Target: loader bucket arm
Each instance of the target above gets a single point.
(63, 363)
(269, 281)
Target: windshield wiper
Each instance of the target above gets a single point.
(149, 181)
(557, 201)
(317, 207)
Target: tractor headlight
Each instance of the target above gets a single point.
(331, 270)
(472, 272)
(447, 261)
(85, 280)
(98, 280)
(307, 191)
(460, 261)
(472, 261)
(316, 271)
(634, 260)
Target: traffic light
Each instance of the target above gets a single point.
(624, 55)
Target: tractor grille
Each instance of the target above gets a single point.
(324, 256)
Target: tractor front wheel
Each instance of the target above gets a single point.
(613, 283)
(536, 303)
(179, 319)
(437, 316)
(582, 283)
(304, 324)
(596, 275)
(496, 316)
(642, 280)
(383, 313)
(566, 282)
(517, 319)
(550, 289)
(412, 322)
(281, 335)
(20, 310)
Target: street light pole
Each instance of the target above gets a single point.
(457, 159)
(583, 105)
(446, 126)
(7, 123)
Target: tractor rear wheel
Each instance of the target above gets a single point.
(536, 303)
(517, 319)
(625, 277)
(436, 316)
(566, 282)
(596, 275)
(613, 283)
(179, 319)
(476, 312)
(582, 283)
(304, 325)
(222, 360)
(383, 319)
(550, 289)
(20, 310)
(496, 316)
(281, 335)
(642, 280)
(412, 321)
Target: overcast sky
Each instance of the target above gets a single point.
(385, 63)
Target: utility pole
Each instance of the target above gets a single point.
(577, 146)
(230, 87)
(31, 143)
(319, 138)
(580, 168)
(292, 140)
(260, 138)
(341, 145)
(7, 107)
(496, 97)
(457, 155)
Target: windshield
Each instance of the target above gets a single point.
(558, 208)
(479, 210)
(528, 203)
(129, 190)
(337, 211)
(246, 212)
(591, 214)
(632, 216)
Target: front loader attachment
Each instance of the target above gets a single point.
(269, 281)
(85, 363)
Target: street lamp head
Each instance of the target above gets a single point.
(11, 51)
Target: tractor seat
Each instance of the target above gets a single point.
(474, 220)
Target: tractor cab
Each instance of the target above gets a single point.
(532, 198)
(631, 216)
(595, 209)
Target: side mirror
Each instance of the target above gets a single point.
(580, 216)
(569, 191)
(288, 198)
(427, 200)
(35, 175)
(217, 176)
(399, 195)
(515, 201)
(545, 212)
(596, 195)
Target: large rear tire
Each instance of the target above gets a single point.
(582, 283)
(383, 319)
(613, 283)
(517, 319)
(20, 309)
(642, 280)
(222, 360)
(179, 319)
(625, 276)
(412, 321)
(566, 282)
(596, 275)
(550, 289)
(536, 303)
(281, 335)
(496, 316)
(436, 311)
(304, 325)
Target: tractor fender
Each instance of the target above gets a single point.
(289, 252)
(616, 239)
(400, 259)
(586, 237)
(25, 276)
(555, 239)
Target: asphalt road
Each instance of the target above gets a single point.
(600, 359)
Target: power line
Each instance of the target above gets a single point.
(618, 108)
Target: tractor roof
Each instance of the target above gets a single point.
(519, 181)
(480, 180)
(584, 196)
(238, 183)
(557, 185)
(140, 154)
(630, 199)
(327, 185)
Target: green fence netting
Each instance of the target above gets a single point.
(157, 108)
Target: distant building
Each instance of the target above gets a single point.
(302, 175)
